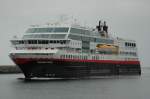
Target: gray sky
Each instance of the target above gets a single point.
(126, 19)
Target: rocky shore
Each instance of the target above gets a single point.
(8, 69)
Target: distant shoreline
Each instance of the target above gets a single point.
(9, 69)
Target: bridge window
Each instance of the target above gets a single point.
(48, 30)
(80, 31)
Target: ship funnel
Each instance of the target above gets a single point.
(99, 27)
(102, 29)
(105, 27)
(99, 23)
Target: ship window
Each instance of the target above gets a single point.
(57, 36)
(126, 44)
(74, 30)
(134, 45)
(32, 41)
(74, 37)
(69, 56)
(87, 32)
(47, 30)
(46, 42)
(61, 29)
(92, 57)
(29, 42)
(61, 42)
(50, 41)
(58, 41)
(97, 57)
(72, 56)
(54, 41)
(80, 31)
(21, 42)
(129, 44)
(65, 56)
(104, 40)
(85, 38)
(92, 39)
(39, 42)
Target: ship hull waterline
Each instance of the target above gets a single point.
(71, 68)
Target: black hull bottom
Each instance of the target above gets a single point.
(74, 69)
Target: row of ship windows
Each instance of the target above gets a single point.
(78, 57)
(52, 36)
(50, 54)
(75, 43)
(129, 53)
(80, 31)
(83, 32)
(47, 30)
(130, 44)
(74, 37)
(58, 30)
(39, 41)
(73, 57)
(91, 39)
(62, 56)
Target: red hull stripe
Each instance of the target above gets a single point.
(27, 60)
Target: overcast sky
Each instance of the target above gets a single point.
(126, 19)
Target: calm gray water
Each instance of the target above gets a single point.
(123, 87)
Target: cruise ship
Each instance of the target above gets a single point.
(70, 50)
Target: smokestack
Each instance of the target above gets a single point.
(99, 23)
(105, 27)
(99, 26)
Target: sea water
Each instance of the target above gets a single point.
(13, 86)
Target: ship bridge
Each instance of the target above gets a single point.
(46, 33)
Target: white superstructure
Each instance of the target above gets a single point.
(73, 41)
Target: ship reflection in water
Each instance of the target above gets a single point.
(114, 87)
